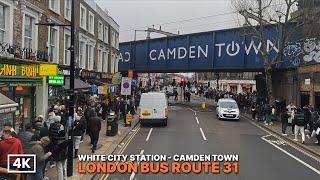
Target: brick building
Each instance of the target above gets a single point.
(25, 45)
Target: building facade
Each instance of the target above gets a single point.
(26, 46)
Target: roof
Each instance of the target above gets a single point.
(78, 84)
(227, 100)
(5, 102)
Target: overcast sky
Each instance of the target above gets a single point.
(186, 16)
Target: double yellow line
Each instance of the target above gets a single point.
(123, 148)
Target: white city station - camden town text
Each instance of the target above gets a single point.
(197, 52)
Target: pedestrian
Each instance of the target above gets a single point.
(267, 111)
(59, 145)
(49, 120)
(292, 115)
(78, 131)
(25, 138)
(300, 122)
(41, 157)
(9, 145)
(8, 126)
(94, 127)
(284, 121)
(253, 111)
(104, 108)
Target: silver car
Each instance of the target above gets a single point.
(228, 109)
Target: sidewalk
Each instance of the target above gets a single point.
(106, 145)
(309, 145)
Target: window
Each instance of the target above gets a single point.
(112, 63)
(106, 34)
(28, 32)
(90, 56)
(67, 9)
(82, 50)
(91, 23)
(83, 17)
(99, 65)
(105, 61)
(53, 44)
(100, 31)
(67, 44)
(113, 38)
(2, 23)
(54, 5)
(117, 41)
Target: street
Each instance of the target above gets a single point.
(261, 155)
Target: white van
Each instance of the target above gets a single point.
(228, 109)
(153, 108)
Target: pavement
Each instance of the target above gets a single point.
(262, 155)
(106, 145)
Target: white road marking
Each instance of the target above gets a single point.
(294, 157)
(133, 173)
(195, 113)
(204, 137)
(147, 139)
(197, 120)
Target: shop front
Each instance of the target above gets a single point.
(25, 84)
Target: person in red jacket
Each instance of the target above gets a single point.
(9, 145)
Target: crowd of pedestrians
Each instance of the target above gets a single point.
(48, 137)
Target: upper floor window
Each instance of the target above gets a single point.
(91, 23)
(67, 9)
(83, 17)
(113, 38)
(54, 5)
(100, 31)
(28, 32)
(2, 23)
(117, 40)
(90, 56)
(53, 44)
(106, 34)
(99, 65)
(67, 43)
(82, 51)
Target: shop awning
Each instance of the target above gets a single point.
(78, 84)
(7, 104)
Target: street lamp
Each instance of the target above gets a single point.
(71, 91)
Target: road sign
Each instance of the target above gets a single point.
(126, 86)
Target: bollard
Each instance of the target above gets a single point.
(203, 105)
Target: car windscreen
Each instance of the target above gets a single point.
(231, 105)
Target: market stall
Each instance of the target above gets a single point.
(7, 111)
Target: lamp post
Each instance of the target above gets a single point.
(71, 91)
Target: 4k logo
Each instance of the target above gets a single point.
(23, 163)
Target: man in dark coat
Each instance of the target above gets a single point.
(94, 127)
(25, 137)
(300, 122)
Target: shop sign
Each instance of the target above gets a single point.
(48, 70)
(56, 80)
(11, 70)
(106, 76)
(90, 74)
(307, 81)
(7, 110)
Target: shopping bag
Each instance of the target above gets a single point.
(318, 131)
